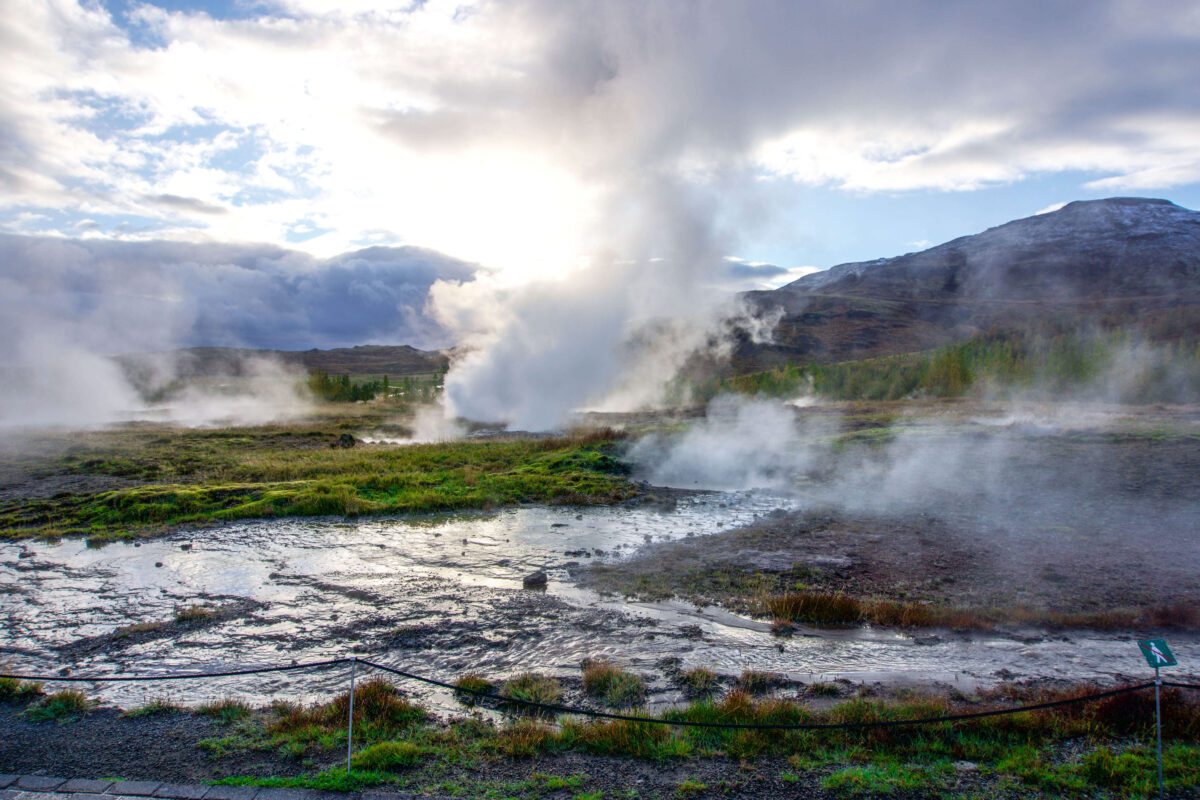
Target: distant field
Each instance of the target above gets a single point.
(147, 478)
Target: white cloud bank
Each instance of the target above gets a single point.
(611, 152)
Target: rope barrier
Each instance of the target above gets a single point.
(760, 726)
(179, 676)
(586, 712)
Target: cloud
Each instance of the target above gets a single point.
(185, 204)
(514, 120)
(137, 296)
(557, 142)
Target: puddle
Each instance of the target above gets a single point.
(440, 595)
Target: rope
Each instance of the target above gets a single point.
(1182, 685)
(758, 726)
(178, 676)
(586, 712)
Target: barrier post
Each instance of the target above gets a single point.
(350, 724)
(1158, 654)
(1158, 728)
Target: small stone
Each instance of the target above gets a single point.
(965, 766)
(158, 563)
(536, 580)
(187, 546)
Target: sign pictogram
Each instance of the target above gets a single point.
(1157, 653)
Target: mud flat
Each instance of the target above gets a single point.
(1023, 521)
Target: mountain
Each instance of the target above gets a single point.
(1108, 262)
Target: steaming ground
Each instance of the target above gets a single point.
(1056, 507)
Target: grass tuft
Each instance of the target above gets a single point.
(225, 711)
(535, 688)
(388, 756)
(617, 687)
(151, 708)
(471, 682)
(755, 682)
(63, 706)
(14, 689)
(816, 608)
(193, 613)
(699, 681)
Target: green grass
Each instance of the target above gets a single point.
(469, 683)
(157, 707)
(884, 779)
(1097, 749)
(387, 757)
(225, 711)
(699, 681)
(617, 687)
(205, 476)
(333, 780)
(532, 687)
(14, 689)
(1051, 360)
(63, 706)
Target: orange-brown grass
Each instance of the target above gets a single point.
(754, 681)
(377, 704)
(522, 739)
(816, 608)
(621, 737)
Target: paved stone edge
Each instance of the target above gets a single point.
(42, 787)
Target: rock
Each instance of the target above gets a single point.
(158, 563)
(536, 580)
(965, 766)
(346, 440)
(185, 547)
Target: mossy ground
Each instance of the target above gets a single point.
(194, 477)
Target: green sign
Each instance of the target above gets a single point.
(1157, 653)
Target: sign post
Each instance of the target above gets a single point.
(1158, 655)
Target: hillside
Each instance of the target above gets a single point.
(1101, 262)
(200, 362)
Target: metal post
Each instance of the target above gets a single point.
(1158, 728)
(350, 725)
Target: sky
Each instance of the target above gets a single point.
(524, 143)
